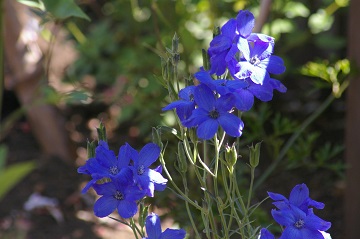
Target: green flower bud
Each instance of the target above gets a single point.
(102, 132)
(156, 138)
(255, 155)
(206, 60)
(91, 149)
(231, 155)
(175, 43)
(216, 32)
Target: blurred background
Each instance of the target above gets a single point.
(70, 65)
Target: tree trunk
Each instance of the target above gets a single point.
(352, 134)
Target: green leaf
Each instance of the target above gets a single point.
(13, 174)
(62, 9)
(3, 153)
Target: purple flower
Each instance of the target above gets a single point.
(213, 112)
(185, 105)
(105, 164)
(147, 179)
(223, 47)
(299, 224)
(221, 86)
(120, 194)
(299, 197)
(258, 62)
(153, 229)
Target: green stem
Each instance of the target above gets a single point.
(251, 188)
(135, 228)
(233, 210)
(293, 138)
(178, 190)
(188, 209)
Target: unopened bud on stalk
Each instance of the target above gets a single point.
(182, 158)
(206, 60)
(156, 138)
(216, 32)
(102, 132)
(90, 149)
(255, 155)
(231, 155)
(175, 43)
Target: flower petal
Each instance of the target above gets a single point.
(219, 44)
(316, 223)
(291, 232)
(244, 99)
(123, 156)
(149, 154)
(156, 177)
(283, 217)
(105, 188)
(245, 22)
(259, 75)
(173, 234)
(204, 97)
(277, 196)
(127, 209)
(231, 124)
(273, 64)
(313, 234)
(225, 103)
(229, 28)
(153, 226)
(265, 234)
(263, 92)
(299, 194)
(207, 129)
(198, 116)
(104, 206)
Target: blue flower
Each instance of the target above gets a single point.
(147, 179)
(299, 224)
(265, 234)
(120, 194)
(258, 62)
(299, 197)
(213, 112)
(105, 164)
(223, 47)
(153, 229)
(185, 105)
(221, 86)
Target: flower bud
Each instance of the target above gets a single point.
(102, 132)
(90, 149)
(231, 155)
(255, 155)
(156, 138)
(206, 60)
(216, 31)
(175, 43)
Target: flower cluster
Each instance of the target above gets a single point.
(153, 229)
(296, 216)
(128, 178)
(249, 60)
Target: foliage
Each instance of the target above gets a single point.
(12, 174)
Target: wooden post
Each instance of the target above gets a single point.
(352, 134)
